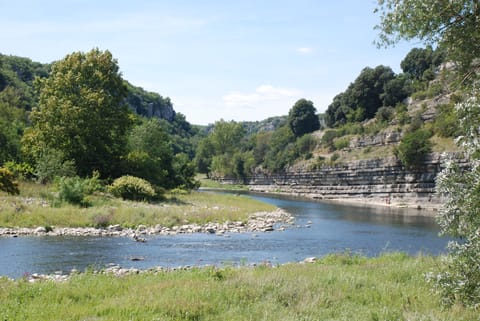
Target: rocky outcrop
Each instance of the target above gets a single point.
(376, 181)
(381, 139)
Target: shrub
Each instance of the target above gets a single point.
(306, 144)
(132, 188)
(334, 157)
(328, 137)
(7, 183)
(74, 189)
(385, 114)
(341, 143)
(414, 147)
(101, 220)
(52, 164)
(22, 171)
(446, 122)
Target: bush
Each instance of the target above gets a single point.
(132, 188)
(328, 137)
(446, 123)
(22, 171)
(74, 189)
(341, 143)
(306, 144)
(385, 114)
(52, 164)
(334, 157)
(7, 183)
(414, 147)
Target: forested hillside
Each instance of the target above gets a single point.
(78, 116)
(413, 109)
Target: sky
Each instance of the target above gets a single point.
(243, 60)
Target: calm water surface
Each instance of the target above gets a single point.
(334, 228)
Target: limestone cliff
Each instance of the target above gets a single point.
(376, 181)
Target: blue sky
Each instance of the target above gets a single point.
(231, 60)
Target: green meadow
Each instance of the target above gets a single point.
(337, 287)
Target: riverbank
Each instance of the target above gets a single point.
(423, 207)
(336, 287)
(38, 211)
(257, 222)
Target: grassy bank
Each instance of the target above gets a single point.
(36, 206)
(391, 287)
(210, 183)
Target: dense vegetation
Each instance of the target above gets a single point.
(373, 103)
(78, 116)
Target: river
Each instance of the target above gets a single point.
(320, 229)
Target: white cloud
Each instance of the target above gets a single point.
(305, 50)
(262, 95)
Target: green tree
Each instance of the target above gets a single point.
(417, 61)
(282, 150)
(453, 25)
(302, 118)
(459, 278)
(12, 124)
(184, 169)
(203, 155)
(226, 137)
(364, 96)
(150, 154)
(396, 90)
(369, 87)
(414, 147)
(82, 113)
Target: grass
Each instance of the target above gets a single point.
(337, 287)
(209, 183)
(36, 207)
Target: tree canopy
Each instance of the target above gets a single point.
(453, 25)
(81, 112)
(373, 88)
(302, 118)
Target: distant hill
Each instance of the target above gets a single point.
(267, 125)
(19, 73)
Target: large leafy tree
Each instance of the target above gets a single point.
(150, 154)
(12, 123)
(82, 113)
(454, 25)
(302, 118)
(459, 279)
(364, 96)
(227, 136)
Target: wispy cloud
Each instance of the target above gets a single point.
(305, 50)
(263, 94)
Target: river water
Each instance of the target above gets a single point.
(322, 229)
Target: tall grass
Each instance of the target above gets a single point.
(338, 287)
(31, 210)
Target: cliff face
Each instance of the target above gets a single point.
(376, 181)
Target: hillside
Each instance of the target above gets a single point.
(18, 73)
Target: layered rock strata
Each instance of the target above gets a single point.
(378, 181)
